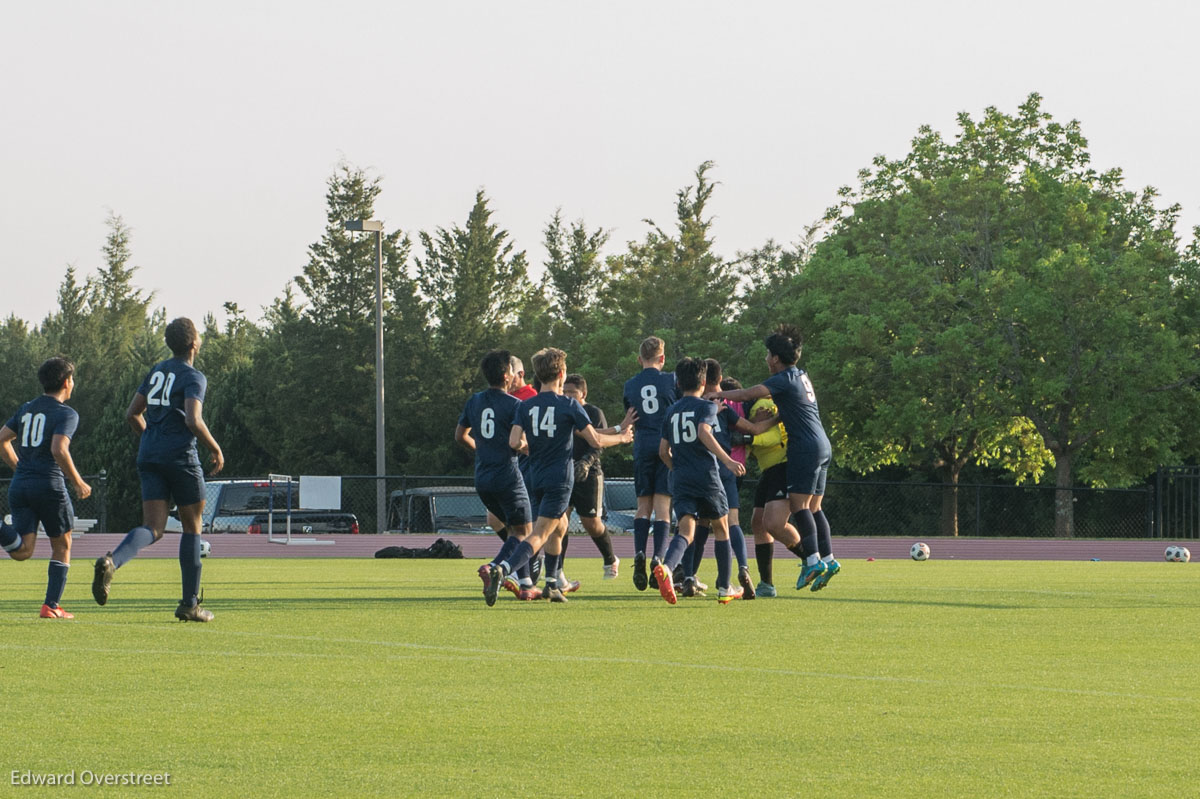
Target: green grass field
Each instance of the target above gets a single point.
(391, 678)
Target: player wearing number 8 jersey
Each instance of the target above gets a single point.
(166, 413)
(650, 392)
(42, 430)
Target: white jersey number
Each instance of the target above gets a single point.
(683, 427)
(33, 431)
(808, 389)
(546, 425)
(160, 382)
(487, 423)
(649, 400)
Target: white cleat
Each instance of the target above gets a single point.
(610, 571)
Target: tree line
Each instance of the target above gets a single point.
(989, 305)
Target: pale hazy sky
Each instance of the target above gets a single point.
(211, 127)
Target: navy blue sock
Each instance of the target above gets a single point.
(824, 540)
(806, 525)
(660, 537)
(136, 539)
(689, 569)
(724, 562)
(9, 540)
(189, 566)
(737, 542)
(675, 552)
(524, 575)
(641, 534)
(520, 557)
(551, 569)
(56, 582)
(698, 545)
(506, 549)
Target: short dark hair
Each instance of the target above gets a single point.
(576, 379)
(53, 373)
(689, 373)
(712, 371)
(785, 343)
(495, 366)
(730, 384)
(181, 335)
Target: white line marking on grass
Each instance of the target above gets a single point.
(472, 653)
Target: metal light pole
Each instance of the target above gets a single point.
(376, 227)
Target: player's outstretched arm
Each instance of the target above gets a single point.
(462, 437)
(193, 410)
(60, 448)
(758, 426)
(705, 434)
(664, 453)
(7, 436)
(741, 394)
(604, 440)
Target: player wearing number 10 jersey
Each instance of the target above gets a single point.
(650, 392)
(166, 413)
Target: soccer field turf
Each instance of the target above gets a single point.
(392, 678)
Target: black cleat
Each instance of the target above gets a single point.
(639, 571)
(678, 575)
(492, 588)
(653, 579)
(186, 612)
(102, 581)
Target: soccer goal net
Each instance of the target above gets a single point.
(285, 487)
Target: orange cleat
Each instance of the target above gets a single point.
(665, 586)
(55, 613)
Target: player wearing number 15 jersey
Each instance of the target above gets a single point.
(650, 392)
(166, 413)
(42, 430)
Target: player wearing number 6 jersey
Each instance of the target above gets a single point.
(42, 430)
(650, 392)
(166, 414)
(483, 428)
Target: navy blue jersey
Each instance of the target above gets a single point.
(36, 424)
(727, 419)
(650, 392)
(550, 421)
(167, 438)
(489, 415)
(695, 469)
(797, 402)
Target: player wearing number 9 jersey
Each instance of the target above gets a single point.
(42, 430)
(166, 413)
(650, 392)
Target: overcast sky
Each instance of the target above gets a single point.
(212, 127)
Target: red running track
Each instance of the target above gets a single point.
(93, 545)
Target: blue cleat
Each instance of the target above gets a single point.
(765, 590)
(831, 568)
(809, 573)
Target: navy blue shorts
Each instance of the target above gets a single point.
(45, 503)
(510, 507)
(712, 505)
(551, 502)
(730, 482)
(806, 472)
(171, 481)
(651, 476)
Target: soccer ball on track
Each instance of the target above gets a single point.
(205, 548)
(919, 551)
(1176, 554)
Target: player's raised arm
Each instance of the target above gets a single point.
(604, 440)
(705, 434)
(740, 394)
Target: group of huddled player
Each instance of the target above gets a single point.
(166, 416)
(537, 457)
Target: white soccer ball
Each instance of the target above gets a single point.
(1171, 554)
(919, 551)
(1185, 554)
(205, 548)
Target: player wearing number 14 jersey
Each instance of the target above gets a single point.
(166, 413)
(650, 392)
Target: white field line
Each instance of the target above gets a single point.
(474, 653)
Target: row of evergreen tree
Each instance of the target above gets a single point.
(989, 303)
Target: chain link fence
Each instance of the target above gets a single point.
(91, 514)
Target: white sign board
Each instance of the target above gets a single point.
(324, 493)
